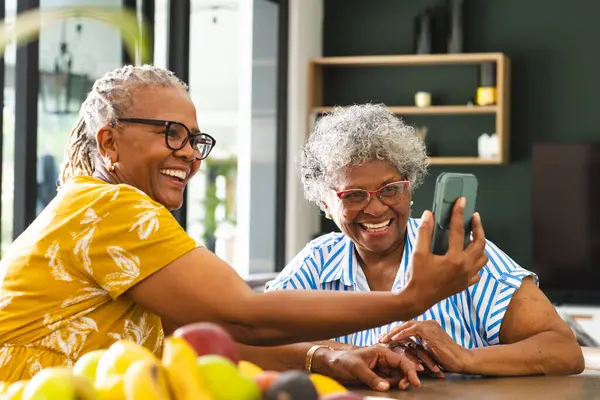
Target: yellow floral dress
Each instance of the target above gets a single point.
(62, 280)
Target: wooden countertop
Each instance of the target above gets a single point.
(575, 387)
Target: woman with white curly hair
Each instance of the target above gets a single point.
(360, 166)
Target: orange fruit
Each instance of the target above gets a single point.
(265, 379)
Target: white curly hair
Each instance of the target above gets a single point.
(354, 135)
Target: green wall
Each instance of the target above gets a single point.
(554, 47)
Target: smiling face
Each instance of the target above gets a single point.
(142, 156)
(378, 228)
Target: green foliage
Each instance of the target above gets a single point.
(216, 168)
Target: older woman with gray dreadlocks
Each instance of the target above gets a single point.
(360, 165)
(106, 260)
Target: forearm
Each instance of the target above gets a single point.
(281, 358)
(546, 353)
(183, 294)
(290, 316)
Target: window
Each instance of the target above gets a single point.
(231, 203)
(212, 206)
(8, 132)
(234, 76)
(73, 54)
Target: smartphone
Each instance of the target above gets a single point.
(449, 187)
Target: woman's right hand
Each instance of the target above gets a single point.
(417, 353)
(433, 278)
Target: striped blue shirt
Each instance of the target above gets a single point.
(472, 318)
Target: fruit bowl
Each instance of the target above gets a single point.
(198, 362)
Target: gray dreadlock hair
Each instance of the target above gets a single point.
(110, 97)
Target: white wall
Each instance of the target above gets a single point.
(305, 42)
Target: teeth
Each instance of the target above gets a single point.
(380, 226)
(174, 172)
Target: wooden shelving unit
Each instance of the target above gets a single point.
(463, 161)
(432, 110)
(500, 110)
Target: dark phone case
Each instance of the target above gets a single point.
(449, 186)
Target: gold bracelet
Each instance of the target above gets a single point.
(311, 353)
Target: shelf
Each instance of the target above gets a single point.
(464, 161)
(410, 59)
(431, 110)
(500, 111)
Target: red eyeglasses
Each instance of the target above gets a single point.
(390, 195)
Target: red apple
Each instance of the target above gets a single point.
(208, 338)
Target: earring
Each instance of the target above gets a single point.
(327, 215)
(412, 202)
(110, 166)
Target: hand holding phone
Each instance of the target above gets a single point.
(449, 187)
(441, 276)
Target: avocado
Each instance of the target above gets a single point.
(292, 385)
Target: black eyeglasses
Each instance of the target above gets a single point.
(177, 135)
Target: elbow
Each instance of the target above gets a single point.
(568, 359)
(241, 324)
(577, 364)
(255, 336)
(245, 335)
(249, 327)
(575, 361)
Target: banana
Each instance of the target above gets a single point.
(146, 379)
(179, 361)
(110, 388)
(119, 356)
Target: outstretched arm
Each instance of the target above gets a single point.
(183, 293)
(201, 287)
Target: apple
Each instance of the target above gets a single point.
(207, 338)
(224, 381)
(58, 383)
(249, 369)
(86, 365)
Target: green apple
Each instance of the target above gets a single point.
(86, 366)
(58, 383)
(224, 381)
